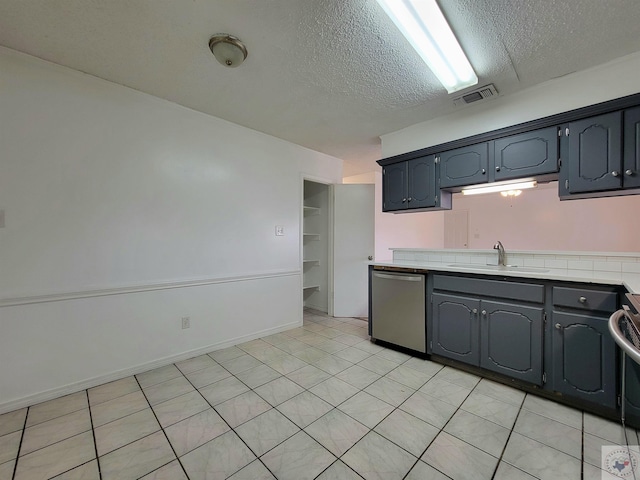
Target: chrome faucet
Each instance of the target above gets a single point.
(498, 246)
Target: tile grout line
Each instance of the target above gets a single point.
(93, 433)
(24, 429)
(160, 425)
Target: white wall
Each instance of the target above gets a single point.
(415, 230)
(125, 212)
(537, 220)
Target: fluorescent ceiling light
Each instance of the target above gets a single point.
(423, 24)
(499, 188)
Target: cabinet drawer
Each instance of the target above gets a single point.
(526, 292)
(585, 299)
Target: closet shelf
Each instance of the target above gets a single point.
(311, 210)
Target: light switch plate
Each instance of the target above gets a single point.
(279, 230)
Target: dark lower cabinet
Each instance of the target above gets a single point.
(511, 340)
(502, 337)
(584, 358)
(455, 332)
(632, 391)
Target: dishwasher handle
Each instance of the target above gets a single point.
(404, 278)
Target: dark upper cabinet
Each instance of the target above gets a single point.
(592, 155)
(631, 168)
(464, 166)
(526, 155)
(421, 181)
(583, 358)
(511, 340)
(411, 185)
(394, 191)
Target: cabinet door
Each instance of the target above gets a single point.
(464, 166)
(394, 187)
(511, 340)
(455, 328)
(632, 390)
(583, 358)
(527, 154)
(422, 182)
(595, 153)
(632, 148)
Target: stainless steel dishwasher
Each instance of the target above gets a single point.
(398, 313)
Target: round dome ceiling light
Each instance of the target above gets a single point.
(227, 49)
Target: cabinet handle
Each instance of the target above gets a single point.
(404, 200)
(409, 199)
(484, 313)
(558, 326)
(370, 257)
(475, 311)
(497, 169)
(628, 173)
(615, 173)
(582, 299)
(484, 171)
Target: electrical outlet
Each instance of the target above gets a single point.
(186, 322)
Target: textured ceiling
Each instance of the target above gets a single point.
(331, 75)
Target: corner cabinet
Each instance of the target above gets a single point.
(502, 334)
(601, 155)
(411, 185)
(583, 357)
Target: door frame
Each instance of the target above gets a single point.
(330, 232)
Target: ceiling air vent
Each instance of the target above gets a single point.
(482, 93)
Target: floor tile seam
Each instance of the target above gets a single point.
(24, 427)
(166, 438)
(551, 418)
(550, 446)
(198, 369)
(51, 444)
(57, 416)
(504, 449)
(337, 460)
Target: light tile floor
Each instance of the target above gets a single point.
(315, 402)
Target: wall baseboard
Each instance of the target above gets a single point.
(117, 375)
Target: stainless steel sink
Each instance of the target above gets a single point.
(499, 268)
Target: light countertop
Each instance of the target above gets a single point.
(631, 281)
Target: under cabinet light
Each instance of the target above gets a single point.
(505, 187)
(424, 25)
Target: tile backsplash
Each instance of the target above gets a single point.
(596, 261)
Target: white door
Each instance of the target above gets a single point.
(353, 244)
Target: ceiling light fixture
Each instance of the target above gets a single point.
(227, 49)
(505, 187)
(424, 25)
